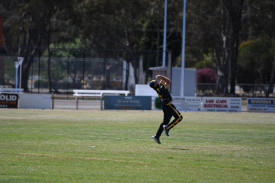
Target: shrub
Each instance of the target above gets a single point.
(206, 75)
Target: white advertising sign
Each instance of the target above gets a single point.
(225, 104)
(261, 104)
(144, 90)
(35, 101)
(187, 103)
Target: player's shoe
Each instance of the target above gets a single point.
(156, 139)
(166, 130)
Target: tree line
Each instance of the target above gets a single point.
(237, 35)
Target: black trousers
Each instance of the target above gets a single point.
(169, 110)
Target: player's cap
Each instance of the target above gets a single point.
(153, 83)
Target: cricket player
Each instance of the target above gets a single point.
(160, 85)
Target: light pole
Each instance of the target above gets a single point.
(183, 50)
(164, 35)
(18, 63)
(16, 73)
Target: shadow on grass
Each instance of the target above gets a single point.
(179, 149)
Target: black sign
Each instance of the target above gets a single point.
(8, 100)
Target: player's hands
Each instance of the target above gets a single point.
(163, 80)
(159, 79)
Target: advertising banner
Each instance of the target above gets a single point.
(187, 103)
(128, 102)
(223, 104)
(35, 101)
(8, 100)
(261, 104)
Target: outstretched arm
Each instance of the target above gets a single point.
(164, 80)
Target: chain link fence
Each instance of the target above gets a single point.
(243, 90)
(59, 71)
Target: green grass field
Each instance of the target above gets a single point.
(62, 146)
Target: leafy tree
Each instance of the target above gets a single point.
(30, 20)
(207, 62)
(257, 55)
(256, 64)
(214, 28)
(67, 67)
(261, 19)
(219, 24)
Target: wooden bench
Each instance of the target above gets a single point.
(97, 93)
